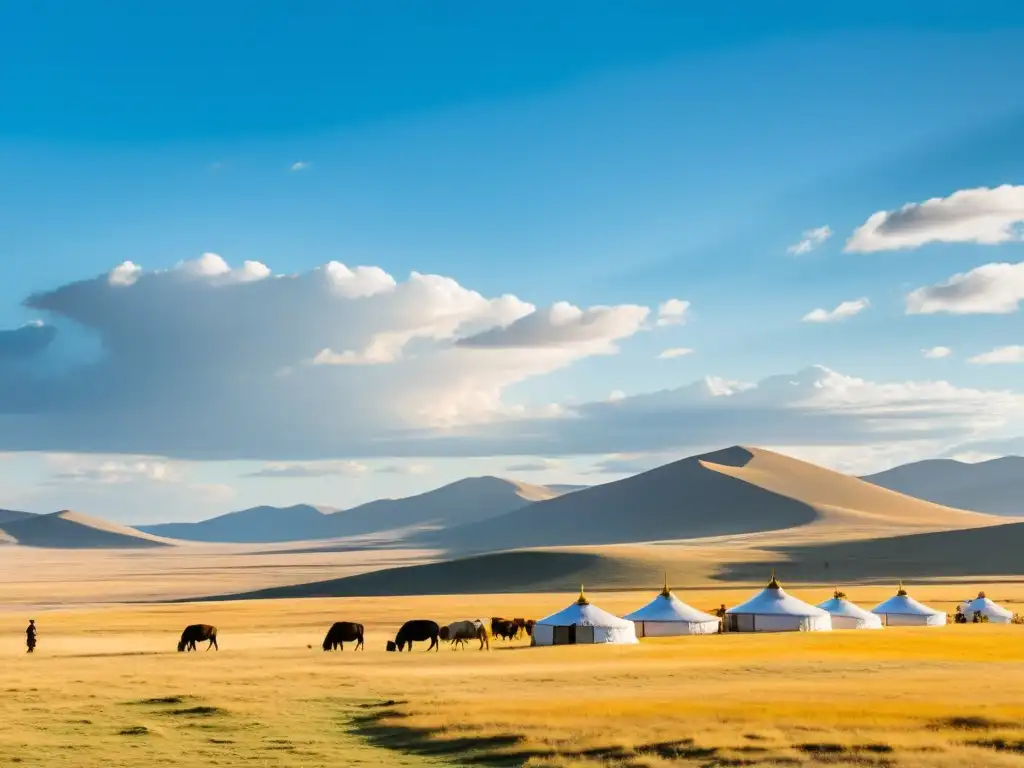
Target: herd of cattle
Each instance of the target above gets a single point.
(416, 630)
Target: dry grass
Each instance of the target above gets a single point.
(106, 688)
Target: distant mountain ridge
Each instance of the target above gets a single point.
(995, 486)
(461, 502)
(737, 490)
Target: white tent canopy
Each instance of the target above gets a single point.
(903, 610)
(995, 612)
(773, 610)
(847, 615)
(667, 615)
(582, 623)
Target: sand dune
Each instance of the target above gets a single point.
(995, 486)
(733, 491)
(73, 530)
(10, 516)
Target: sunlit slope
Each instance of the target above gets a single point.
(725, 493)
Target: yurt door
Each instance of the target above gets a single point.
(584, 634)
(563, 636)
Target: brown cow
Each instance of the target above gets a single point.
(342, 632)
(197, 633)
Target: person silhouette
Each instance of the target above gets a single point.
(30, 635)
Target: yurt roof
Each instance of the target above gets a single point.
(669, 608)
(840, 606)
(774, 600)
(902, 603)
(982, 603)
(582, 614)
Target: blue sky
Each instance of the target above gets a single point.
(601, 154)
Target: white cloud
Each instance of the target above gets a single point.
(936, 353)
(111, 470)
(669, 354)
(672, 312)
(1010, 354)
(616, 394)
(810, 240)
(296, 469)
(206, 360)
(564, 325)
(299, 165)
(193, 358)
(844, 310)
(991, 289)
(987, 216)
(404, 469)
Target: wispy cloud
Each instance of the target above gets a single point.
(539, 465)
(669, 354)
(810, 240)
(1011, 354)
(937, 353)
(845, 310)
(299, 165)
(311, 469)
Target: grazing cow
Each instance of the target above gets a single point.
(416, 630)
(503, 628)
(342, 632)
(458, 632)
(197, 633)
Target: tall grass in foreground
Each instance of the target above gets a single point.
(107, 688)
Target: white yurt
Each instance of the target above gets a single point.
(582, 623)
(773, 610)
(996, 613)
(847, 615)
(901, 610)
(667, 615)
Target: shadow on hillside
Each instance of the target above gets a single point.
(990, 551)
(382, 726)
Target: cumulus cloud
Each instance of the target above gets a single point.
(1010, 354)
(193, 361)
(672, 312)
(985, 215)
(936, 353)
(564, 325)
(26, 341)
(214, 361)
(991, 289)
(669, 354)
(844, 310)
(810, 240)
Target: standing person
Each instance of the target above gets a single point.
(720, 613)
(30, 635)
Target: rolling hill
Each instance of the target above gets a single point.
(995, 486)
(73, 530)
(733, 491)
(10, 516)
(465, 501)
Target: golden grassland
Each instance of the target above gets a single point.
(106, 687)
